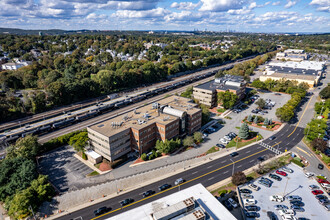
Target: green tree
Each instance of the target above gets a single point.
(198, 136)
(315, 129)
(244, 131)
(205, 114)
(249, 118)
(144, 156)
(285, 113)
(188, 93)
(270, 121)
(261, 103)
(227, 99)
(325, 93)
(266, 121)
(79, 141)
(27, 147)
(255, 120)
(188, 141)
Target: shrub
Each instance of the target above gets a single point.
(144, 157)
(222, 192)
(84, 156)
(298, 163)
(238, 178)
(151, 156)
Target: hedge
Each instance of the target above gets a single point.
(298, 163)
(222, 192)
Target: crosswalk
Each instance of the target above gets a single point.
(276, 151)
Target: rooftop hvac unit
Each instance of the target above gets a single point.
(199, 215)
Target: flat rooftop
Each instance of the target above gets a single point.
(214, 86)
(295, 71)
(293, 76)
(308, 65)
(206, 200)
(146, 115)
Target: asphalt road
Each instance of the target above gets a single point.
(206, 174)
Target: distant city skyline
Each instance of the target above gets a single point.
(212, 15)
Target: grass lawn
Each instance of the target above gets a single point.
(94, 173)
(212, 150)
(97, 165)
(240, 144)
(221, 110)
(228, 186)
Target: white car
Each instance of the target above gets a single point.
(309, 174)
(232, 202)
(313, 187)
(222, 140)
(286, 212)
(254, 187)
(249, 202)
(287, 169)
(325, 185)
(288, 217)
(276, 198)
(227, 138)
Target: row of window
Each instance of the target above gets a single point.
(120, 144)
(120, 137)
(96, 142)
(121, 150)
(107, 141)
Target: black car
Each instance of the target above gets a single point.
(163, 187)
(320, 166)
(271, 215)
(245, 191)
(275, 177)
(262, 158)
(319, 197)
(148, 193)
(252, 208)
(252, 214)
(303, 218)
(272, 138)
(228, 205)
(101, 211)
(126, 202)
(234, 154)
(220, 146)
(297, 203)
(267, 180)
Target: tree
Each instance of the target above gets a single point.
(249, 118)
(285, 113)
(198, 136)
(270, 121)
(244, 131)
(325, 93)
(188, 92)
(238, 178)
(144, 157)
(26, 147)
(188, 141)
(255, 120)
(315, 129)
(205, 114)
(266, 121)
(261, 103)
(227, 99)
(319, 144)
(79, 141)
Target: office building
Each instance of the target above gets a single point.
(138, 130)
(207, 93)
(193, 203)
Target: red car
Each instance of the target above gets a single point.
(282, 173)
(317, 192)
(322, 181)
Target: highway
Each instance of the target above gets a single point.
(207, 174)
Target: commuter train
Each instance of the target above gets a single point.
(114, 102)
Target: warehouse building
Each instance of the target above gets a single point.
(207, 93)
(308, 72)
(293, 55)
(138, 130)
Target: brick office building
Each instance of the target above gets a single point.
(138, 130)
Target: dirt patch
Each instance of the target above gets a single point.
(104, 167)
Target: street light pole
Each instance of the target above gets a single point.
(233, 167)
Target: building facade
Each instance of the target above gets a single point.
(140, 129)
(207, 93)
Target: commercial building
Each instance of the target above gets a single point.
(292, 54)
(15, 66)
(193, 203)
(207, 93)
(138, 130)
(308, 72)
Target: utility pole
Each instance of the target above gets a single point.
(30, 207)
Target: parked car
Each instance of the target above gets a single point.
(252, 214)
(275, 177)
(271, 215)
(247, 191)
(325, 185)
(265, 183)
(227, 138)
(276, 198)
(267, 180)
(309, 174)
(228, 205)
(297, 208)
(327, 207)
(220, 146)
(247, 196)
(224, 141)
(322, 181)
(287, 169)
(317, 192)
(163, 187)
(280, 207)
(233, 154)
(254, 187)
(101, 211)
(286, 212)
(249, 202)
(313, 187)
(233, 203)
(178, 181)
(324, 201)
(148, 193)
(293, 198)
(319, 197)
(126, 202)
(297, 203)
(252, 208)
(287, 217)
(282, 173)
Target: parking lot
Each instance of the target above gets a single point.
(294, 184)
(64, 170)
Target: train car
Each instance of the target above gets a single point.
(63, 123)
(86, 115)
(44, 129)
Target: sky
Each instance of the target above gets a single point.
(212, 15)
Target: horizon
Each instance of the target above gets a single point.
(242, 16)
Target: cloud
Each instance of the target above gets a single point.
(129, 5)
(185, 5)
(276, 3)
(186, 16)
(246, 9)
(94, 16)
(322, 5)
(153, 13)
(290, 4)
(221, 5)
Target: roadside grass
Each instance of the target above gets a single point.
(97, 165)
(212, 150)
(240, 143)
(94, 173)
(229, 186)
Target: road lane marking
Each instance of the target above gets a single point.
(304, 151)
(225, 172)
(251, 161)
(195, 172)
(224, 161)
(239, 166)
(211, 178)
(301, 116)
(188, 181)
(248, 151)
(209, 167)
